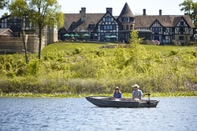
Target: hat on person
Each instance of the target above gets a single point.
(136, 85)
(117, 88)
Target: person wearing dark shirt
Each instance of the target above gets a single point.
(117, 93)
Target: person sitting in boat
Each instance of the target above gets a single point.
(117, 93)
(137, 93)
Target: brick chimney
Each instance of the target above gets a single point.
(144, 11)
(160, 12)
(83, 14)
(109, 10)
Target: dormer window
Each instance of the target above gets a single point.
(125, 19)
(181, 23)
(108, 19)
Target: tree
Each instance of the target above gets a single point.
(40, 12)
(5, 14)
(190, 8)
(3, 3)
(19, 8)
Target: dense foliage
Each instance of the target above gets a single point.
(41, 13)
(190, 8)
(4, 3)
(95, 70)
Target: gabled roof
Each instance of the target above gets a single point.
(4, 17)
(105, 16)
(155, 22)
(74, 19)
(6, 31)
(165, 20)
(126, 11)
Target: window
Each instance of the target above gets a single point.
(167, 37)
(108, 19)
(132, 19)
(181, 37)
(91, 25)
(113, 27)
(181, 23)
(181, 29)
(131, 27)
(156, 29)
(125, 19)
(164, 30)
(108, 27)
(156, 38)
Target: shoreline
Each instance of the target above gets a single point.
(73, 95)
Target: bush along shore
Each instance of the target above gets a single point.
(82, 95)
(97, 71)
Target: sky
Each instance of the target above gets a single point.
(168, 7)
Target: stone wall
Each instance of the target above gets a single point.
(11, 44)
(15, 44)
(33, 43)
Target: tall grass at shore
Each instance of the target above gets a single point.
(74, 68)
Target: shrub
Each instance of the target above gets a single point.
(191, 43)
(146, 42)
(176, 43)
(78, 50)
(33, 67)
(173, 52)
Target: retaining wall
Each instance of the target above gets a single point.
(15, 44)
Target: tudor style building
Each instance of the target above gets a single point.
(11, 35)
(102, 26)
(106, 26)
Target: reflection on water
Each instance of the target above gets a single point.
(77, 114)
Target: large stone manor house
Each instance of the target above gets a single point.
(97, 27)
(100, 26)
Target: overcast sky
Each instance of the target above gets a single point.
(168, 7)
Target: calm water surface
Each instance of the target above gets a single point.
(77, 114)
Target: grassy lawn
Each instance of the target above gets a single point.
(71, 46)
(166, 49)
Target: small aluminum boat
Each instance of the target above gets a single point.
(101, 101)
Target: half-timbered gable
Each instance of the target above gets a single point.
(166, 28)
(107, 27)
(157, 30)
(156, 27)
(182, 27)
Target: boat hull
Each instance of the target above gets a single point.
(123, 102)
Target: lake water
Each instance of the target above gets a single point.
(77, 114)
